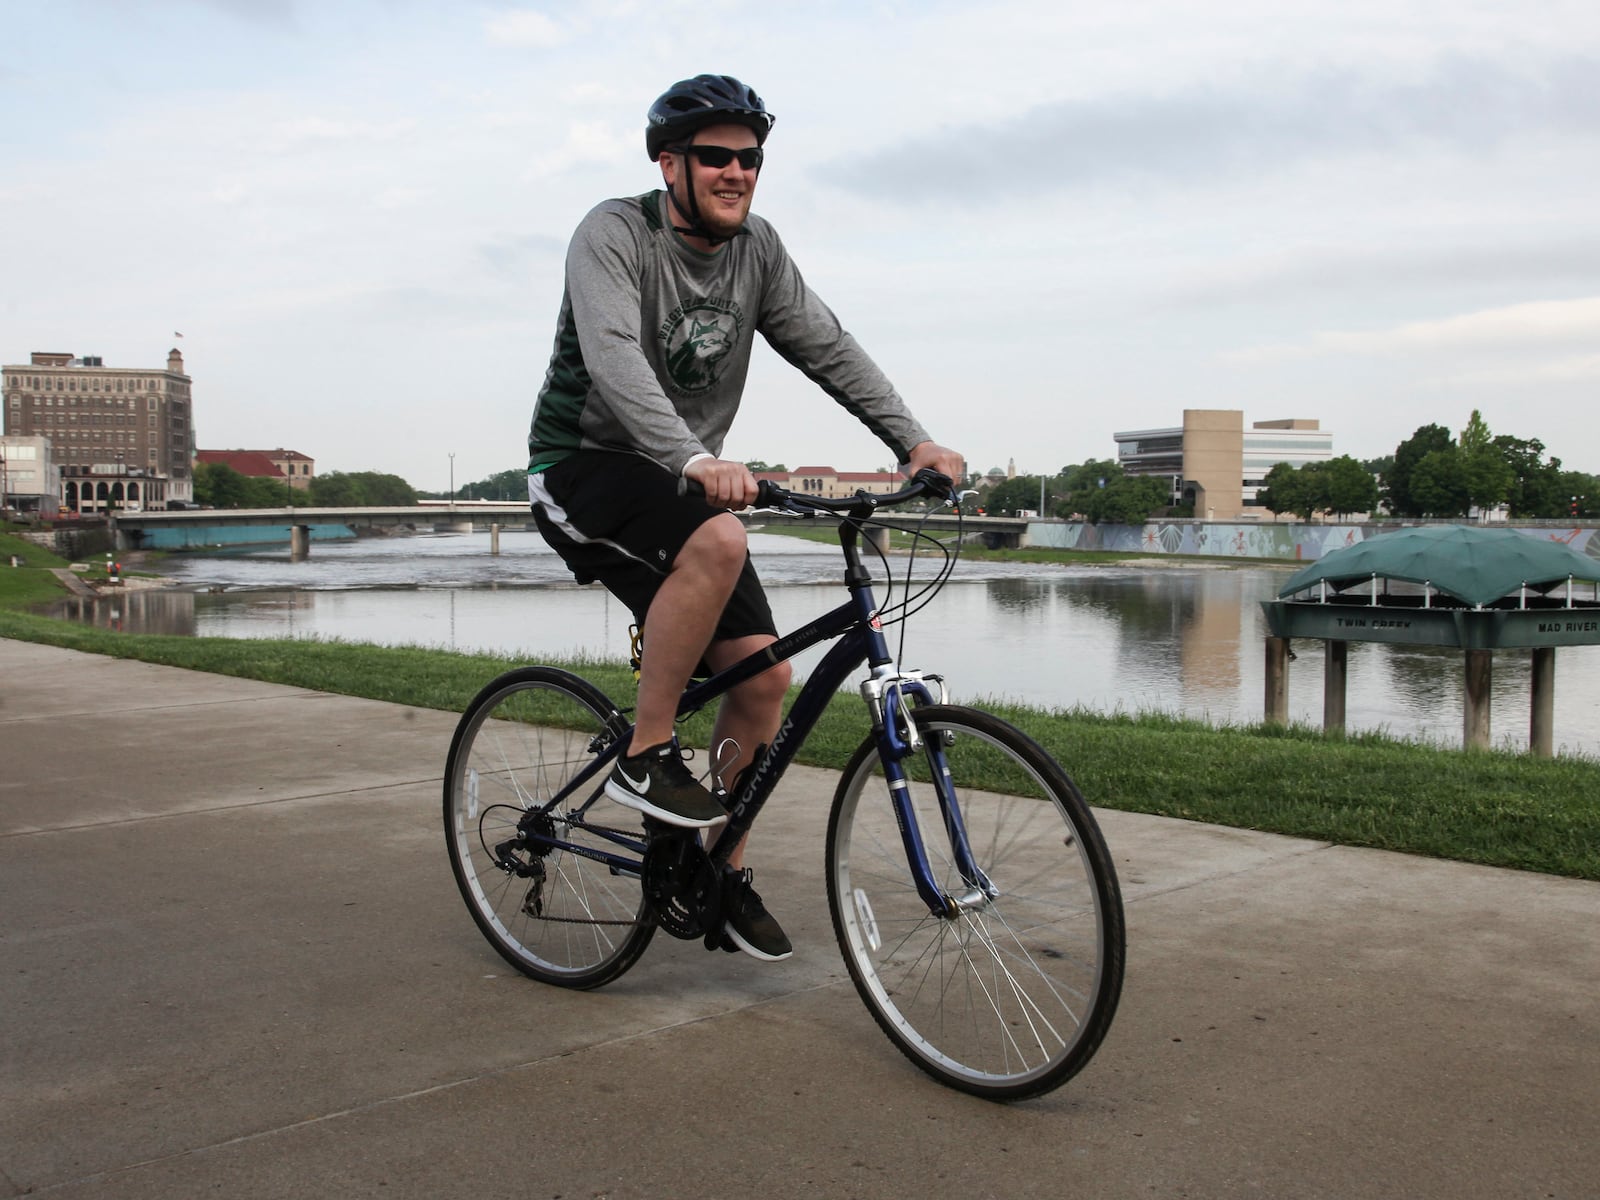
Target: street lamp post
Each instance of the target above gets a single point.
(452, 479)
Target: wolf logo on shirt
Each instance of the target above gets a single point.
(696, 345)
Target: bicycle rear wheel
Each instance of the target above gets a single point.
(551, 912)
(1010, 996)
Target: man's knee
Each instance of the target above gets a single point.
(718, 546)
(774, 681)
(763, 692)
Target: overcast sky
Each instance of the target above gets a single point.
(1046, 220)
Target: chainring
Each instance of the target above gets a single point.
(682, 885)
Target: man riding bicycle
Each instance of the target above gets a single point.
(665, 293)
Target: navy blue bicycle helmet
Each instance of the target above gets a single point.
(692, 104)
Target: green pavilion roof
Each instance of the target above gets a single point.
(1474, 564)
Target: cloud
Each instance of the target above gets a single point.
(522, 29)
(1518, 326)
(1574, 369)
(1219, 132)
(324, 131)
(1557, 263)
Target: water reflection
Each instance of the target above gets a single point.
(1185, 640)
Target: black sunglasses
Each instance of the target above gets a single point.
(717, 157)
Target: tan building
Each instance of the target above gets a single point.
(835, 485)
(1218, 465)
(121, 437)
(290, 465)
(298, 468)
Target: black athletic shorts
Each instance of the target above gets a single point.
(618, 519)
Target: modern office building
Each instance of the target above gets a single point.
(121, 437)
(30, 482)
(1215, 463)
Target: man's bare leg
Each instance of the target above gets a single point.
(749, 714)
(681, 621)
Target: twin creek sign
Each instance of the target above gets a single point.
(1487, 630)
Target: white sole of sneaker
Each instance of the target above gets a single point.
(634, 801)
(738, 941)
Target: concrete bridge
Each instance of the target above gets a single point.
(201, 528)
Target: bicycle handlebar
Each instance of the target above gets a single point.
(925, 482)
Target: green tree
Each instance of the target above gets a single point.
(511, 484)
(1535, 488)
(1083, 486)
(1397, 485)
(1439, 486)
(1126, 499)
(1483, 467)
(1348, 486)
(339, 489)
(1013, 496)
(218, 485)
(1579, 495)
(1287, 491)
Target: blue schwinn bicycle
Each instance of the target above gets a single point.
(971, 891)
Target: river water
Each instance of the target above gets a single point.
(1183, 639)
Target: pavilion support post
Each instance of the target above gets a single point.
(1336, 659)
(877, 537)
(1541, 718)
(1277, 676)
(1479, 684)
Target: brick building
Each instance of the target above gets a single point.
(298, 469)
(117, 437)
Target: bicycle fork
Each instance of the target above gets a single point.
(891, 699)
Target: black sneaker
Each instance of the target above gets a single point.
(748, 924)
(658, 784)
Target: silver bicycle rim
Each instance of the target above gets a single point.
(580, 916)
(1001, 996)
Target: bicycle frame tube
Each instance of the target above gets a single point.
(859, 640)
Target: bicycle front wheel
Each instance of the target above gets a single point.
(551, 911)
(1009, 992)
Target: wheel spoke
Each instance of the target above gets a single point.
(521, 742)
(1008, 996)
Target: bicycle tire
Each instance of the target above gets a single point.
(1012, 997)
(570, 920)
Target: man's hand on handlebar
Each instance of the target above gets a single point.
(930, 456)
(726, 484)
(934, 457)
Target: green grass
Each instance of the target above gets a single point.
(30, 585)
(1495, 808)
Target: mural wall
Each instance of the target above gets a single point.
(1249, 539)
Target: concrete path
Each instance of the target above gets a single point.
(233, 962)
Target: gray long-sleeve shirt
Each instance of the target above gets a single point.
(653, 342)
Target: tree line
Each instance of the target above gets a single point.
(217, 485)
(1435, 474)
(1431, 474)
